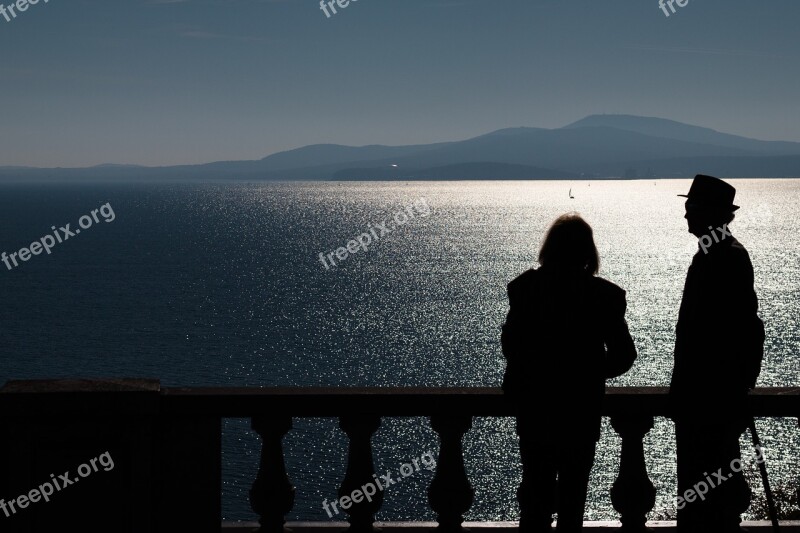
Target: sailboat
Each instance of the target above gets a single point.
(570, 195)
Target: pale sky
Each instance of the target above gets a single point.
(161, 82)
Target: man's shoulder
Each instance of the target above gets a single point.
(735, 252)
(728, 248)
(737, 248)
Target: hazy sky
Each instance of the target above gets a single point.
(157, 82)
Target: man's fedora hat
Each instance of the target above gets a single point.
(711, 192)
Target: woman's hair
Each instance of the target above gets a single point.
(569, 245)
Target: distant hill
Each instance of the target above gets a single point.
(669, 129)
(459, 171)
(598, 146)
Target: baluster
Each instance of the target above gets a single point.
(272, 495)
(450, 493)
(360, 470)
(633, 495)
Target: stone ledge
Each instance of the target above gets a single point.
(427, 527)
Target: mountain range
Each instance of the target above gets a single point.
(595, 147)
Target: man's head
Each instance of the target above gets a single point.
(709, 203)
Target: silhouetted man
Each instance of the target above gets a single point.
(718, 351)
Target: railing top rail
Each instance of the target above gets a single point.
(24, 398)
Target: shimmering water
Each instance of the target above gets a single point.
(221, 284)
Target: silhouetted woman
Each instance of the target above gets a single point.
(565, 334)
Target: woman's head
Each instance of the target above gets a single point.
(569, 246)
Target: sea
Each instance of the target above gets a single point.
(378, 284)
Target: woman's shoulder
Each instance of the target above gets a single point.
(531, 278)
(526, 277)
(608, 289)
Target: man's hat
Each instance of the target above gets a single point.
(711, 192)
